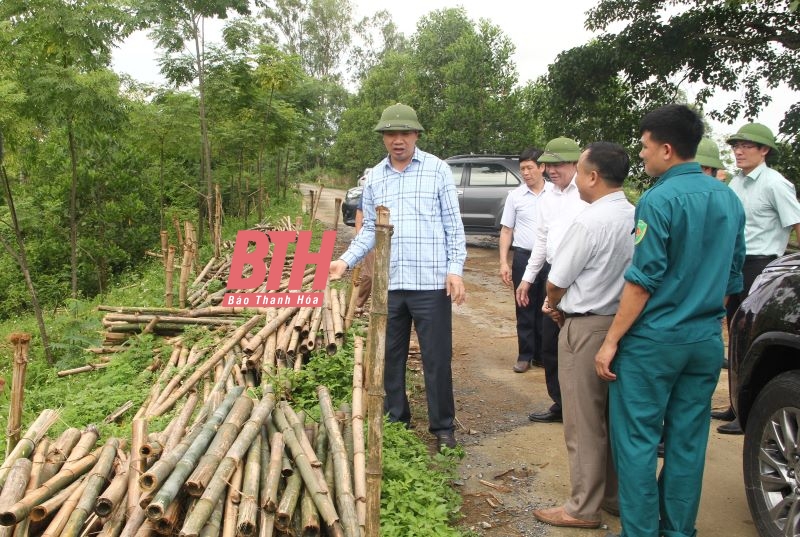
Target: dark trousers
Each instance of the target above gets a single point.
(550, 332)
(529, 318)
(431, 313)
(753, 266)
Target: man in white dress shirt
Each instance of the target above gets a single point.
(557, 210)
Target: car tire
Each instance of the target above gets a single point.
(771, 457)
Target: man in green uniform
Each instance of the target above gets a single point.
(665, 342)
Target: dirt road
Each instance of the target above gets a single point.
(513, 466)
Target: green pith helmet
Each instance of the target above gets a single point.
(399, 117)
(560, 150)
(708, 154)
(755, 132)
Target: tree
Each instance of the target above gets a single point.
(723, 44)
(177, 25)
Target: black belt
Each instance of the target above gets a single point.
(570, 315)
(518, 249)
(760, 257)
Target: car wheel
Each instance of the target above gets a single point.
(772, 457)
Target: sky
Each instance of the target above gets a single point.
(538, 29)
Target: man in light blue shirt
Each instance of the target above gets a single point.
(428, 252)
(771, 211)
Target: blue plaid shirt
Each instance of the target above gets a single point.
(428, 240)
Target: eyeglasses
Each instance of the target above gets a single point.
(743, 145)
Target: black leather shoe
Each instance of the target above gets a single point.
(724, 415)
(537, 363)
(548, 416)
(446, 439)
(730, 428)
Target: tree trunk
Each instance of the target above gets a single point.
(73, 210)
(206, 144)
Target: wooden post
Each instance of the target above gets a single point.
(164, 245)
(170, 269)
(310, 202)
(376, 348)
(20, 340)
(336, 212)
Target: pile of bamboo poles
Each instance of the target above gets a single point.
(233, 465)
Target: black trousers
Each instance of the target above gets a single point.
(431, 313)
(529, 318)
(753, 266)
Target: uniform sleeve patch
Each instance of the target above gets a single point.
(641, 229)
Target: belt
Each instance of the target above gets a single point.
(518, 249)
(570, 315)
(760, 257)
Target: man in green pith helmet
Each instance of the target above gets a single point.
(557, 209)
(427, 258)
(772, 211)
(708, 158)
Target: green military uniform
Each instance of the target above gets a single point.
(688, 255)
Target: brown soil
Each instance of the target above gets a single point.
(513, 466)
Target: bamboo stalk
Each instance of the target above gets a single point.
(94, 483)
(231, 511)
(20, 340)
(166, 524)
(288, 503)
(316, 320)
(269, 328)
(180, 469)
(136, 462)
(59, 451)
(108, 501)
(341, 468)
(88, 439)
(118, 413)
(186, 264)
(309, 516)
(214, 525)
(266, 524)
(298, 426)
(225, 437)
(269, 487)
(201, 371)
(213, 492)
(169, 269)
(248, 506)
(376, 348)
(114, 524)
(336, 314)
(59, 521)
(164, 246)
(311, 476)
(39, 458)
(14, 489)
(27, 443)
(359, 456)
(82, 369)
(180, 423)
(355, 281)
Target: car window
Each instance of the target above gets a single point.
(491, 175)
(458, 173)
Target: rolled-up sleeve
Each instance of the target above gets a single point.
(650, 253)
(365, 240)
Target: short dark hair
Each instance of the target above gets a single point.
(676, 125)
(530, 153)
(610, 160)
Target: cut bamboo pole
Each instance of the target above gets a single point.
(88, 439)
(39, 458)
(266, 524)
(51, 505)
(154, 477)
(269, 487)
(166, 524)
(376, 348)
(27, 443)
(359, 456)
(164, 246)
(59, 521)
(310, 475)
(82, 369)
(309, 516)
(269, 328)
(209, 364)
(59, 451)
(205, 505)
(14, 489)
(180, 423)
(94, 484)
(248, 506)
(169, 269)
(341, 467)
(232, 497)
(336, 314)
(136, 462)
(288, 503)
(298, 426)
(114, 524)
(225, 437)
(186, 265)
(214, 525)
(183, 467)
(107, 502)
(355, 281)
(118, 413)
(20, 341)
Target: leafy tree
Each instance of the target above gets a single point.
(177, 26)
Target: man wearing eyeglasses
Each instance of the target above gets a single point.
(771, 211)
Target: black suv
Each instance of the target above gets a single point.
(483, 183)
(765, 391)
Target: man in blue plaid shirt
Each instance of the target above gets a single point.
(428, 251)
